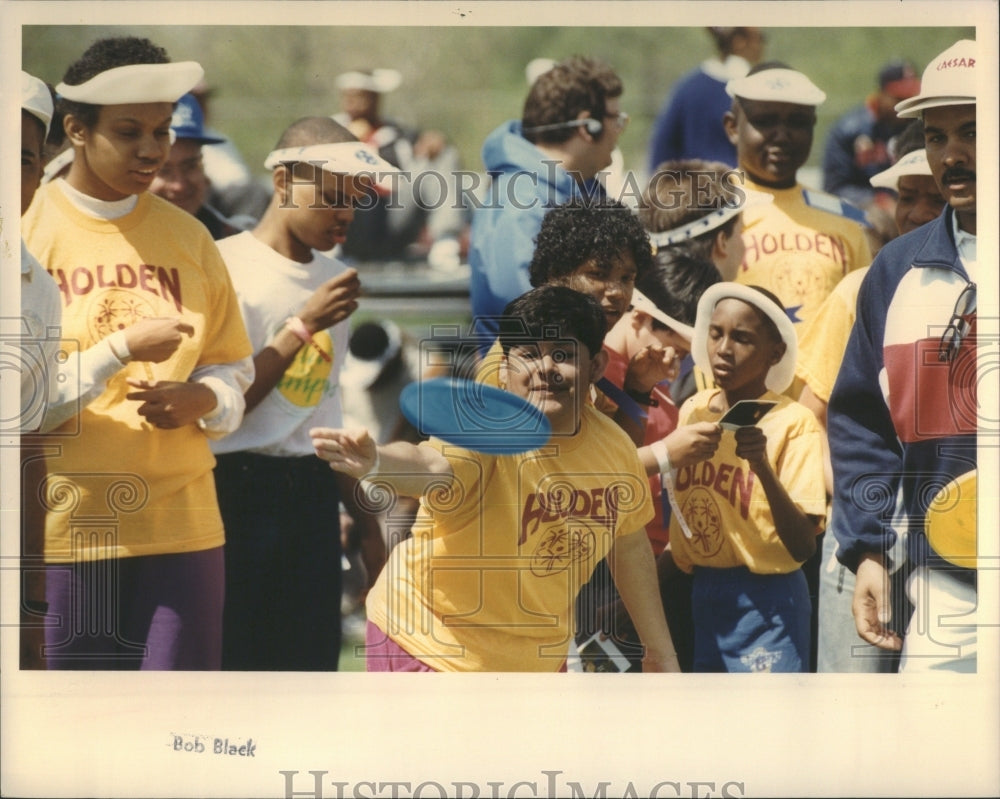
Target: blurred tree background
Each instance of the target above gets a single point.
(467, 80)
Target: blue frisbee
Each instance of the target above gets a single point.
(474, 415)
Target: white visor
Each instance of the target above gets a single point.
(913, 163)
(711, 221)
(362, 372)
(777, 86)
(57, 165)
(136, 83)
(379, 81)
(640, 302)
(36, 100)
(340, 158)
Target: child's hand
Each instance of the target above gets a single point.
(332, 302)
(352, 452)
(155, 339)
(649, 366)
(169, 404)
(751, 443)
(693, 443)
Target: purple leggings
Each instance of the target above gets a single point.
(155, 613)
(384, 654)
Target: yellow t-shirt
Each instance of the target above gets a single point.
(799, 251)
(823, 339)
(722, 502)
(488, 579)
(120, 487)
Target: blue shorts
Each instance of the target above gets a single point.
(750, 622)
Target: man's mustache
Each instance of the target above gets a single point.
(957, 176)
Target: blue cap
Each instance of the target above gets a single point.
(189, 122)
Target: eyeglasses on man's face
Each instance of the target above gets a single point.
(621, 120)
(959, 325)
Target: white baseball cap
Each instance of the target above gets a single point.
(36, 99)
(950, 79)
(913, 163)
(779, 85)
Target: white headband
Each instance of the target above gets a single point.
(136, 83)
(711, 221)
(779, 376)
(340, 158)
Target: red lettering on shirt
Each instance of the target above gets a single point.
(756, 247)
(546, 507)
(730, 482)
(156, 280)
(81, 281)
(126, 276)
(146, 272)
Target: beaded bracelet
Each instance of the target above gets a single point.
(298, 329)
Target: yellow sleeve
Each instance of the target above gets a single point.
(823, 338)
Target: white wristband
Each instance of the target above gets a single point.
(659, 450)
(366, 481)
(374, 470)
(119, 346)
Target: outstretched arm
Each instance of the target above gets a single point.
(634, 570)
(683, 446)
(408, 468)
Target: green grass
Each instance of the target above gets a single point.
(465, 80)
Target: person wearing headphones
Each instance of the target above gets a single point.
(569, 128)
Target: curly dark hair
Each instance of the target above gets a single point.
(585, 230)
(102, 55)
(553, 311)
(573, 85)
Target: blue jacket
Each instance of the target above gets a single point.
(857, 149)
(524, 185)
(690, 123)
(902, 422)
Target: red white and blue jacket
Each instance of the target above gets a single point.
(902, 422)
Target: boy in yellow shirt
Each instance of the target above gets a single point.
(747, 518)
(503, 543)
